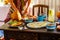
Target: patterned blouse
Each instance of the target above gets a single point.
(21, 5)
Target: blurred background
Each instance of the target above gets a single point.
(53, 4)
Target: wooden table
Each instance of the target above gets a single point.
(28, 34)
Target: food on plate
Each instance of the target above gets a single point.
(37, 24)
(15, 23)
(50, 24)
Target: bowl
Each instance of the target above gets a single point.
(28, 20)
(51, 26)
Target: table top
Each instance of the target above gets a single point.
(42, 30)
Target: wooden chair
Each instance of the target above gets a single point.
(41, 9)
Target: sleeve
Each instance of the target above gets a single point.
(8, 15)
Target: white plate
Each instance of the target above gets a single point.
(37, 24)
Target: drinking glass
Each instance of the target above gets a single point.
(51, 26)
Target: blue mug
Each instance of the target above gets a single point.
(41, 18)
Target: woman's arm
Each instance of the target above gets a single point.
(25, 11)
(17, 14)
(13, 5)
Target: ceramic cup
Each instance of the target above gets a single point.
(41, 18)
(51, 26)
